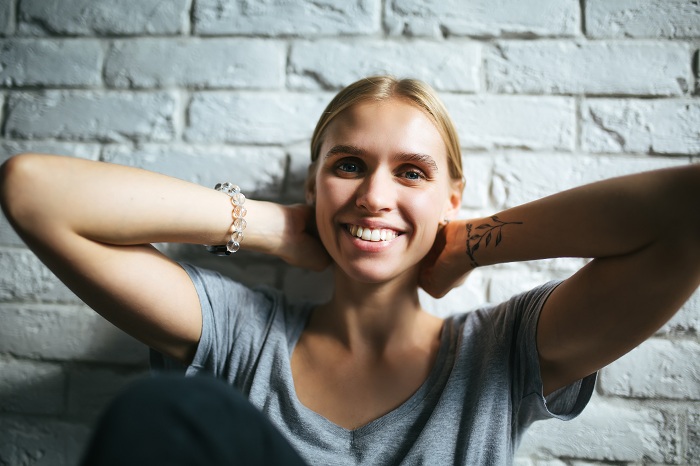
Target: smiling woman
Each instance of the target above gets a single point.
(367, 377)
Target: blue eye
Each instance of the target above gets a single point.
(348, 167)
(413, 175)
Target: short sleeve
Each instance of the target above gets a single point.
(516, 322)
(235, 320)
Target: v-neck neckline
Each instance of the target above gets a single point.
(401, 410)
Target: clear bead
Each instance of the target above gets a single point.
(233, 246)
(238, 198)
(239, 211)
(237, 236)
(239, 224)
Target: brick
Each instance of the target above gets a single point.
(66, 333)
(692, 454)
(24, 277)
(520, 177)
(687, 319)
(483, 18)
(614, 431)
(7, 15)
(88, 151)
(257, 118)
(31, 62)
(41, 441)
(193, 62)
(94, 116)
(655, 369)
(646, 18)
(8, 237)
(280, 17)
(31, 387)
(259, 171)
(91, 389)
(666, 126)
(452, 66)
(554, 67)
(103, 17)
(533, 123)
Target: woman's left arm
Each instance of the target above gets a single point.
(643, 233)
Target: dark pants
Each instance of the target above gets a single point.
(186, 421)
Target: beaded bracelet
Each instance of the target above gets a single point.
(239, 223)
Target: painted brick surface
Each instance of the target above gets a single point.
(31, 387)
(641, 126)
(37, 441)
(253, 118)
(24, 62)
(279, 17)
(103, 17)
(66, 333)
(482, 18)
(259, 171)
(656, 369)
(546, 95)
(610, 432)
(6, 18)
(492, 122)
(643, 18)
(211, 63)
(24, 277)
(559, 67)
(110, 116)
(447, 67)
(687, 320)
(692, 455)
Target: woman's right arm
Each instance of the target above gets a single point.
(93, 223)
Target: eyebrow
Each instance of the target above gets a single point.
(403, 156)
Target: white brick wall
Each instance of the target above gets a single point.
(546, 95)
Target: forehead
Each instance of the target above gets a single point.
(388, 125)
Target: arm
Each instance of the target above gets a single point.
(643, 233)
(92, 224)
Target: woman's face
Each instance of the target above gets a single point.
(382, 187)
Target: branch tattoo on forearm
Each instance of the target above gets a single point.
(484, 233)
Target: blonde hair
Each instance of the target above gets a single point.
(379, 88)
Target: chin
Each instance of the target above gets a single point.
(374, 274)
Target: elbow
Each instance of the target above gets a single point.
(15, 187)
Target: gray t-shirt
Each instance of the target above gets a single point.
(482, 393)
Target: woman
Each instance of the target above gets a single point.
(367, 377)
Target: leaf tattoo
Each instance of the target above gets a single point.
(485, 233)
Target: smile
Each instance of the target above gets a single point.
(369, 234)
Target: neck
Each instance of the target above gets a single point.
(375, 317)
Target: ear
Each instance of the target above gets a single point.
(310, 184)
(454, 201)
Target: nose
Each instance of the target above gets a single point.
(377, 192)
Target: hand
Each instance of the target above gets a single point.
(301, 246)
(445, 267)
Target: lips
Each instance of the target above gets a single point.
(372, 234)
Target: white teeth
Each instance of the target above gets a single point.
(367, 234)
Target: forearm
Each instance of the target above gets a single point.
(609, 218)
(120, 205)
